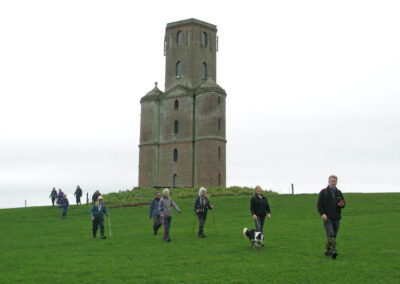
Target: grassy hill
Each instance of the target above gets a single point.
(37, 246)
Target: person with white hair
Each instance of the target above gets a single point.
(97, 213)
(64, 204)
(201, 207)
(164, 206)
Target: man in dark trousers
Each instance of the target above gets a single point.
(97, 213)
(78, 194)
(155, 213)
(259, 208)
(53, 195)
(64, 204)
(201, 207)
(95, 196)
(330, 205)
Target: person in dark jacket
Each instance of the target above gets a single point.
(78, 194)
(259, 208)
(64, 204)
(330, 204)
(97, 213)
(95, 196)
(60, 196)
(201, 207)
(53, 195)
(155, 213)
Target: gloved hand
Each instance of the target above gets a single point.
(179, 211)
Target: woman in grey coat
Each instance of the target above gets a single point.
(164, 206)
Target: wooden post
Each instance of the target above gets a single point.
(87, 198)
(292, 189)
(25, 203)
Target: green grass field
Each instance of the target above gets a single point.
(37, 246)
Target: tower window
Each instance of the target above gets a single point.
(178, 69)
(219, 153)
(179, 38)
(204, 71)
(175, 155)
(175, 180)
(204, 39)
(219, 100)
(219, 124)
(176, 127)
(219, 179)
(176, 104)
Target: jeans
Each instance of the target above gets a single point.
(64, 211)
(331, 228)
(260, 223)
(167, 224)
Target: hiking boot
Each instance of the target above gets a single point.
(103, 237)
(328, 246)
(334, 251)
(168, 240)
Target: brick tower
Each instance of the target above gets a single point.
(182, 130)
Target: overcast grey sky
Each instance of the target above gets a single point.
(313, 89)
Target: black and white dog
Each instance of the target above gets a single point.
(256, 238)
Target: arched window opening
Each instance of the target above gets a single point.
(219, 100)
(219, 124)
(176, 104)
(219, 179)
(179, 38)
(204, 71)
(178, 69)
(204, 39)
(175, 155)
(175, 180)
(176, 127)
(219, 153)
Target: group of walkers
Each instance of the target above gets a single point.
(330, 204)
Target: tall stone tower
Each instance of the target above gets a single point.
(182, 130)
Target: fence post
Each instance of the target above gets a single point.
(25, 203)
(87, 198)
(292, 189)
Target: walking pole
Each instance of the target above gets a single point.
(162, 213)
(215, 225)
(109, 225)
(194, 225)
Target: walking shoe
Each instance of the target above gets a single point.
(103, 237)
(168, 240)
(328, 246)
(334, 251)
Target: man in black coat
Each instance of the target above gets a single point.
(78, 194)
(330, 205)
(95, 196)
(201, 207)
(259, 208)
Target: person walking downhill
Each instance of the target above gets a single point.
(164, 206)
(78, 194)
(60, 196)
(259, 208)
(155, 213)
(64, 204)
(53, 195)
(201, 207)
(330, 204)
(97, 213)
(95, 196)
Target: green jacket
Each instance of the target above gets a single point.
(98, 212)
(53, 194)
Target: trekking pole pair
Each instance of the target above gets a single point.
(195, 219)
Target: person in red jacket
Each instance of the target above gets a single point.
(330, 205)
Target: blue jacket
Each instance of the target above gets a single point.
(98, 212)
(64, 203)
(154, 208)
